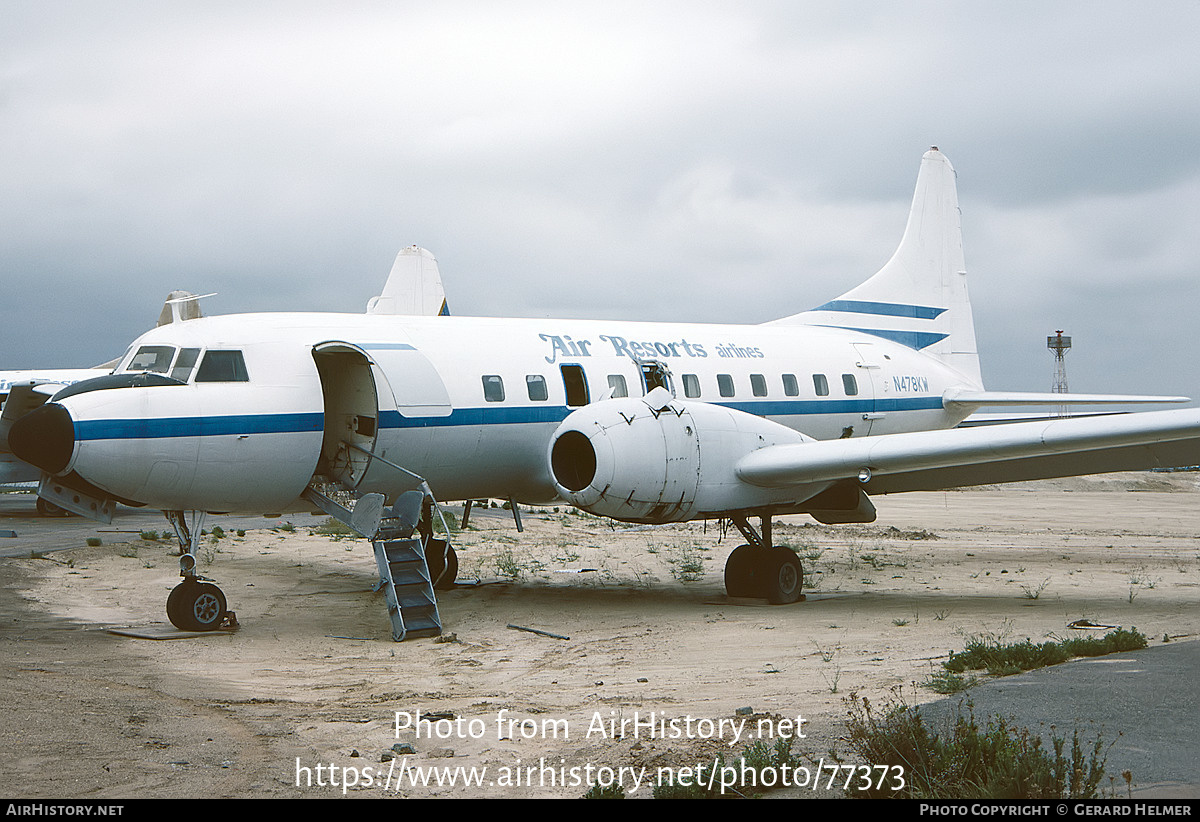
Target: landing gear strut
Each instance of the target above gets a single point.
(194, 604)
(439, 553)
(759, 569)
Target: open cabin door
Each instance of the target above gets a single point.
(350, 386)
(357, 385)
(415, 382)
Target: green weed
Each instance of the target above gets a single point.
(687, 564)
(964, 758)
(613, 791)
(1002, 660)
(333, 528)
(757, 769)
(948, 682)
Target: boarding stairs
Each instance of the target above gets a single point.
(404, 574)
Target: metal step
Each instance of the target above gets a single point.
(404, 575)
(362, 513)
(403, 570)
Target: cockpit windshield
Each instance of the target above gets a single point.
(165, 365)
(162, 359)
(156, 358)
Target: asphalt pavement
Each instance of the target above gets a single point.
(1142, 702)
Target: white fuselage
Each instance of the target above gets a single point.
(467, 403)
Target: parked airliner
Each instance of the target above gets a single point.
(29, 388)
(814, 413)
(413, 286)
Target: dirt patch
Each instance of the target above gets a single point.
(658, 670)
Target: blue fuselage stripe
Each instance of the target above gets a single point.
(513, 415)
(158, 428)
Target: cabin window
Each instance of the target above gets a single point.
(654, 375)
(493, 388)
(184, 364)
(758, 385)
(691, 386)
(222, 366)
(791, 387)
(617, 387)
(821, 385)
(575, 384)
(850, 384)
(535, 385)
(725, 385)
(156, 358)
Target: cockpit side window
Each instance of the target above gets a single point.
(222, 366)
(184, 363)
(156, 358)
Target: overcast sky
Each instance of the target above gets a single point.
(667, 161)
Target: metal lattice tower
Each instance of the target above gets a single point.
(1060, 345)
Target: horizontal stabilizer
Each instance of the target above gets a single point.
(930, 460)
(980, 398)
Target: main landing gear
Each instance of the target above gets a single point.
(760, 569)
(440, 556)
(46, 508)
(194, 604)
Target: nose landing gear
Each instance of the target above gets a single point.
(194, 605)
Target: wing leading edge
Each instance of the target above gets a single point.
(962, 397)
(933, 460)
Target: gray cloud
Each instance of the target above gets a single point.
(654, 161)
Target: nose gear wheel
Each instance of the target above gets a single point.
(196, 606)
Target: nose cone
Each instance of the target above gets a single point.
(45, 438)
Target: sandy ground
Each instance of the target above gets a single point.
(312, 678)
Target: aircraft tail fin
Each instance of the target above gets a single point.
(180, 306)
(919, 297)
(414, 287)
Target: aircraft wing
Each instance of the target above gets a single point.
(932, 460)
(988, 418)
(15, 472)
(23, 398)
(1026, 398)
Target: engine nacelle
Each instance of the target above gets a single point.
(656, 459)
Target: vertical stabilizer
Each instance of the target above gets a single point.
(919, 297)
(413, 287)
(180, 306)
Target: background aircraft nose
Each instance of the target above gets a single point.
(45, 438)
